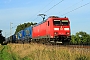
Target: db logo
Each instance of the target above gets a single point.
(61, 28)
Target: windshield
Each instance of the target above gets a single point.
(56, 22)
(60, 22)
(65, 22)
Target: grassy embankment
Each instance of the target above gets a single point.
(42, 52)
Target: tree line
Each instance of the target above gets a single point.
(80, 38)
(23, 26)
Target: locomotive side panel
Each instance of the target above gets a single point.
(35, 32)
(43, 30)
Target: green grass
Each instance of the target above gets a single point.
(5, 54)
(43, 52)
(82, 57)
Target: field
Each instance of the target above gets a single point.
(42, 52)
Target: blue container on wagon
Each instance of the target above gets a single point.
(28, 32)
(21, 35)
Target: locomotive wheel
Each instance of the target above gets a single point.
(66, 43)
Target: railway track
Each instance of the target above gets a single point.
(72, 46)
(69, 46)
(79, 46)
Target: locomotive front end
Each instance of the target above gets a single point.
(61, 30)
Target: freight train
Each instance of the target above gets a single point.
(52, 30)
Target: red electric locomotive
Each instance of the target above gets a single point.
(54, 30)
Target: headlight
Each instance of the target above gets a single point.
(56, 28)
(66, 28)
(55, 33)
(67, 32)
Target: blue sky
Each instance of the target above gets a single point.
(21, 11)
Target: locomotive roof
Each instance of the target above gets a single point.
(47, 19)
(53, 17)
(40, 22)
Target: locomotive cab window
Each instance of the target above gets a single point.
(48, 23)
(56, 22)
(64, 22)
